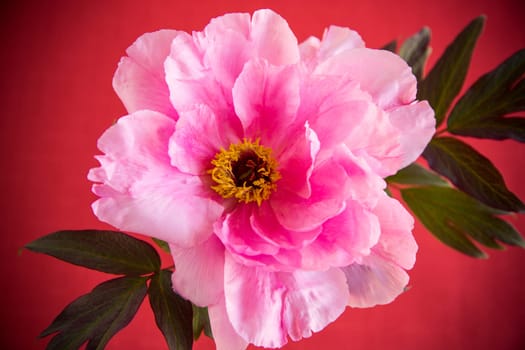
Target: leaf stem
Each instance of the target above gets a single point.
(439, 132)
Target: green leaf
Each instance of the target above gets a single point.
(106, 251)
(391, 46)
(415, 51)
(445, 80)
(497, 129)
(480, 112)
(97, 316)
(173, 314)
(452, 215)
(471, 172)
(161, 244)
(201, 322)
(415, 174)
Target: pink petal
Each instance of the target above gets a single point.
(237, 234)
(265, 224)
(190, 82)
(375, 281)
(381, 73)
(308, 50)
(329, 192)
(337, 40)
(266, 99)
(344, 239)
(366, 185)
(397, 244)
(142, 192)
(377, 140)
(203, 68)
(139, 79)
(264, 307)
(227, 46)
(184, 59)
(314, 300)
(330, 101)
(225, 337)
(296, 163)
(380, 277)
(273, 39)
(416, 125)
(199, 136)
(198, 266)
(235, 22)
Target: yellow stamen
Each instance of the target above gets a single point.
(245, 171)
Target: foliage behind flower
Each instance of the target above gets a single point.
(261, 163)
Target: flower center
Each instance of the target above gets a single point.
(246, 171)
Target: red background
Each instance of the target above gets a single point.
(57, 61)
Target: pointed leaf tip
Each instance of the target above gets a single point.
(415, 51)
(444, 81)
(107, 251)
(452, 216)
(483, 111)
(97, 316)
(471, 172)
(201, 322)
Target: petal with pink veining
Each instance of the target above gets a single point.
(338, 39)
(266, 225)
(198, 266)
(394, 85)
(381, 277)
(225, 337)
(265, 307)
(237, 234)
(190, 81)
(226, 43)
(314, 300)
(273, 39)
(139, 79)
(374, 281)
(296, 163)
(334, 107)
(416, 126)
(266, 98)
(199, 135)
(326, 201)
(344, 239)
(378, 141)
(141, 192)
(366, 186)
(308, 50)
(397, 244)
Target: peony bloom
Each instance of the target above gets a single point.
(261, 163)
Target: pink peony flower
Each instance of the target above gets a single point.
(261, 162)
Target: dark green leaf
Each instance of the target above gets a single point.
(162, 245)
(97, 316)
(391, 46)
(445, 80)
(415, 51)
(452, 215)
(480, 111)
(415, 174)
(201, 322)
(106, 251)
(173, 314)
(471, 172)
(496, 129)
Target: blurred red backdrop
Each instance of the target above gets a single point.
(57, 62)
